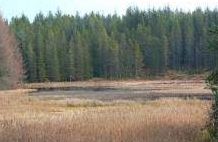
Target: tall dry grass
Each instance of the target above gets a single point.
(23, 119)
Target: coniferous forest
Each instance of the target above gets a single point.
(58, 47)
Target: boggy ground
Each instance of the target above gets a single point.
(25, 117)
(130, 90)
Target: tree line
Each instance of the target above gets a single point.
(59, 47)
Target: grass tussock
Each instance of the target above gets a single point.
(24, 119)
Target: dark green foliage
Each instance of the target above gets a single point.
(213, 126)
(139, 44)
(51, 58)
(213, 83)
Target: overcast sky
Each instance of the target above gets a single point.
(10, 8)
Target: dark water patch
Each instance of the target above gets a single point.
(112, 94)
(75, 88)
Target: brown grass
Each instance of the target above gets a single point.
(26, 119)
(110, 83)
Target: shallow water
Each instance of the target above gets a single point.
(111, 94)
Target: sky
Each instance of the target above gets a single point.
(30, 8)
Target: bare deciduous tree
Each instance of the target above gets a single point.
(10, 58)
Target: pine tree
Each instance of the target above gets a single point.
(213, 83)
(40, 58)
(31, 64)
(138, 60)
(175, 46)
(51, 59)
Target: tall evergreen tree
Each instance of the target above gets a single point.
(51, 58)
(60, 47)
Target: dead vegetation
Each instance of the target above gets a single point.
(28, 119)
(11, 69)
